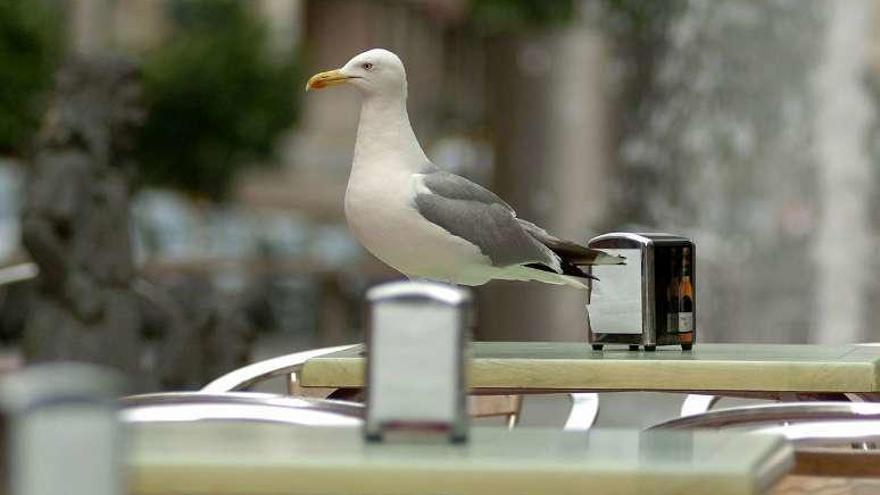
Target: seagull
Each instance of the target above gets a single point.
(428, 223)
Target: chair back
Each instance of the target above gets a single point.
(830, 438)
(246, 407)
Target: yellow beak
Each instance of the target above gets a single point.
(324, 79)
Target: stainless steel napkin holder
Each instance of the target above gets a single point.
(651, 300)
(62, 431)
(416, 347)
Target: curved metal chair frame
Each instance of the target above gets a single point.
(830, 438)
(238, 406)
(254, 373)
(222, 399)
(763, 414)
(583, 413)
(698, 404)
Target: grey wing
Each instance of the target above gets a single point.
(457, 187)
(474, 213)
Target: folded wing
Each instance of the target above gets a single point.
(472, 212)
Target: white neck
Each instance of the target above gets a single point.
(385, 138)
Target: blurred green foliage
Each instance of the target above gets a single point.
(218, 100)
(30, 38)
(638, 18)
(504, 16)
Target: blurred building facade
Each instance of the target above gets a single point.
(749, 127)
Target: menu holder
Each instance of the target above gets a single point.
(416, 346)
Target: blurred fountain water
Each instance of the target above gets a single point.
(843, 118)
(749, 135)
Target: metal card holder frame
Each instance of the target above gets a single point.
(417, 340)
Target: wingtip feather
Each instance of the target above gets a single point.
(609, 259)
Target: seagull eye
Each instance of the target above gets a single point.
(367, 66)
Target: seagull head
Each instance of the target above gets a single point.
(375, 72)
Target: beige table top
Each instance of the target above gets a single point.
(226, 458)
(558, 366)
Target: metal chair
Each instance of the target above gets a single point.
(289, 365)
(480, 406)
(830, 438)
(583, 413)
(238, 406)
(585, 406)
(18, 273)
(223, 400)
(698, 404)
(701, 403)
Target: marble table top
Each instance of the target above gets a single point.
(222, 458)
(560, 366)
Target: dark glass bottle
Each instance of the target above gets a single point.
(686, 295)
(672, 294)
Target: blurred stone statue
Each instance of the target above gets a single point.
(90, 304)
(76, 219)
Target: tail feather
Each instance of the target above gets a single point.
(568, 269)
(571, 253)
(543, 274)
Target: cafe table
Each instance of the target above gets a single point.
(791, 371)
(226, 458)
